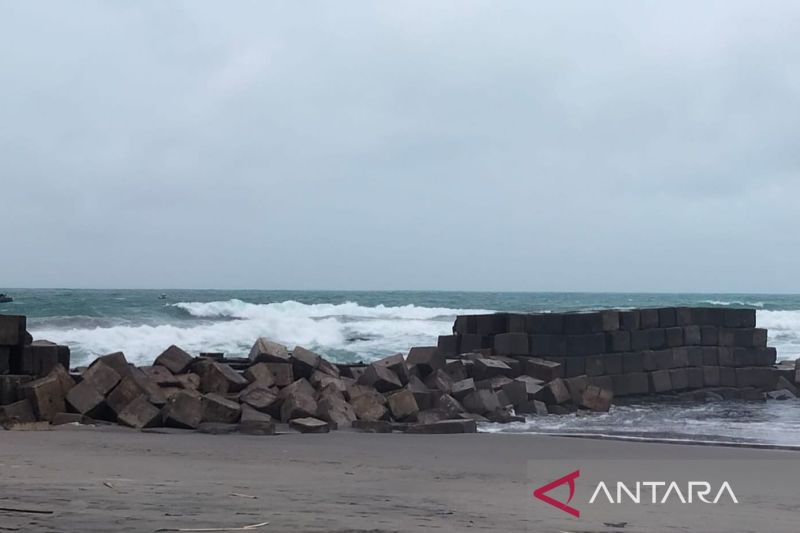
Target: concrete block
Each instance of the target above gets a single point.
(710, 356)
(555, 392)
(762, 378)
(709, 335)
(660, 381)
(481, 401)
(402, 405)
(680, 357)
(583, 323)
(683, 316)
(575, 387)
(448, 344)
(462, 388)
(304, 362)
(21, 411)
(183, 409)
(221, 379)
(267, 351)
(766, 356)
(470, 343)
(369, 407)
(162, 377)
(5, 359)
(695, 377)
(249, 414)
(547, 345)
(727, 376)
(175, 359)
(679, 378)
(516, 323)
(326, 367)
(298, 405)
(450, 405)
(581, 345)
(612, 363)
(484, 368)
(610, 320)
(695, 355)
(596, 399)
(439, 380)
(657, 339)
(637, 383)
(427, 359)
(511, 344)
(38, 358)
(12, 330)
(422, 394)
(594, 365)
(618, 341)
(309, 425)
(87, 400)
(545, 323)
(711, 376)
(674, 337)
(462, 325)
(573, 366)
(261, 398)
(632, 362)
(629, 320)
(516, 391)
(381, 378)
(649, 360)
(123, 394)
(337, 412)
(71, 418)
(667, 317)
(648, 318)
(640, 340)
(282, 374)
(140, 413)
(692, 336)
(708, 316)
(261, 373)
(664, 359)
(739, 318)
(492, 324)
(542, 369)
(532, 407)
(102, 377)
(533, 386)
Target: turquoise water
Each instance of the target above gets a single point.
(350, 326)
(345, 326)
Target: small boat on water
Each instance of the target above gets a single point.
(4, 298)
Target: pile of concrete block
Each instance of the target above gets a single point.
(587, 359)
(273, 389)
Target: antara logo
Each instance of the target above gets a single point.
(695, 492)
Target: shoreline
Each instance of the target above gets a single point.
(114, 479)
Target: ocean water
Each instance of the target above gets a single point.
(361, 326)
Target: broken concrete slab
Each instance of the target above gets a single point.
(309, 425)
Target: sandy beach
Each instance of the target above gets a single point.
(111, 479)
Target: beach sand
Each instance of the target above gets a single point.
(111, 479)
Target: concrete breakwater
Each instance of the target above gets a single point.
(493, 368)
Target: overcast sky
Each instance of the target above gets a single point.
(637, 146)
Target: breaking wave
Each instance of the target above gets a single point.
(343, 332)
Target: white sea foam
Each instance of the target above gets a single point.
(735, 303)
(347, 331)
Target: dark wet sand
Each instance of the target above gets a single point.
(110, 479)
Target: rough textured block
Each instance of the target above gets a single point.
(640, 340)
(555, 392)
(282, 373)
(573, 366)
(657, 339)
(511, 344)
(484, 368)
(140, 413)
(660, 381)
(580, 345)
(667, 317)
(448, 344)
(21, 411)
(267, 351)
(692, 336)
(618, 341)
(369, 407)
(695, 377)
(473, 343)
(337, 412)
(632, 362)
(583, 323)
(220, 378)
(594, 365)
(11, 388)
(648, 318)
(542, 369)
(679, 379)
(629, 320)
(727, 376)
(402, 405)
(709, 335)
(260, 398)
(637, 383)
(38, 358)
(516, 323)
(381, 378)
(427, 359)
(175, 359)
(612, 364)
(218, 409)
(711, 376)
(649, 361)
(260, 372)
(739, 318)
(710, 356)
(162, 377)
(547, 345)
(683, 316)
(545, 323)
(575, 387)
(86, 400)
(309, 425)
(12, 330)
(680, 357)
(674, 337)
(596, 399)
(102, 377)
(664, 359)
(481, 401)
(397, 364)
(695, 355)
(184, 410)
(304, 362)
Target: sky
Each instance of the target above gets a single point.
(516, 145)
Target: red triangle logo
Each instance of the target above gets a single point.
(541, 493)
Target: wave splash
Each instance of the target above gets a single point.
(342, 332)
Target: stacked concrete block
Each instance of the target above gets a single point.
(642, 351)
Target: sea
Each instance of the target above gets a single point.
(349, 326)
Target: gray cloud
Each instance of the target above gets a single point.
(453, 145)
